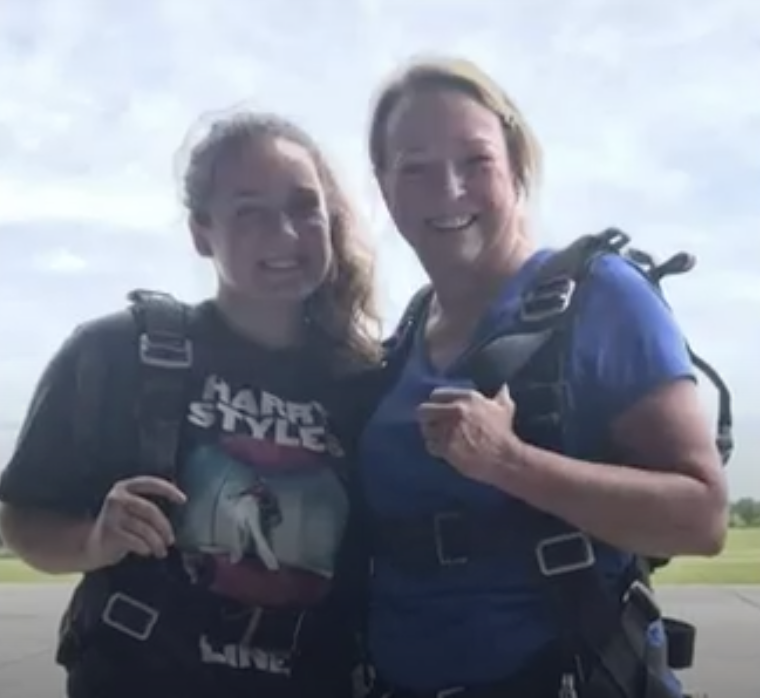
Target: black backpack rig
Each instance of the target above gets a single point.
(148, 361)
(610, 627)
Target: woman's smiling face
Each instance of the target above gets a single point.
(447, 180)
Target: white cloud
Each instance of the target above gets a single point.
(61, 261)
(89, 199)
(647, 113)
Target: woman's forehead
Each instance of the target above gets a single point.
(261, 163)
(424, 118)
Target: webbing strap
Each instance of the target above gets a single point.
(164, 360)
(592, 619)
(590, 614)
(544, 319)
(165, 355)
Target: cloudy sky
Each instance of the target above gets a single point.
(649, 113)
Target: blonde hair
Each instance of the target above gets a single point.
(462, 75)
(340, 315)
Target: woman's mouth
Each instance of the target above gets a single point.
(449, 224)
(281, 264)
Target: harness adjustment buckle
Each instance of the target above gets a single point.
(567, 687)
(640, 597)
(447, 532)
(553, 297)
(129, 616)
(568, 552)
(165, 351)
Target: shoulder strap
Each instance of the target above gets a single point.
(165, 358)
(655, 273)
(396, 347)
(547, 307)
(402, 336)
(552, 290)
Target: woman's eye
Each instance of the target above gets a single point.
(249, 211)
(412, 168)
(479, 159)
(307, 208)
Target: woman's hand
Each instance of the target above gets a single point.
(129, 522)
(470, 431)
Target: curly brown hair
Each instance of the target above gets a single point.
(341, 316)
(462, 75)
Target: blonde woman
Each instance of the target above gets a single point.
(607, 458)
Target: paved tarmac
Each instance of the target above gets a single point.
(728, 646)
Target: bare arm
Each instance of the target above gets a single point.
(51, 490)
(51, 543)
(129, 522)
(633, 385)
(672, 500)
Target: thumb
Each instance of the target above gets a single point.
(504, 397)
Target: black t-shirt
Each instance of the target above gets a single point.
(261, 461)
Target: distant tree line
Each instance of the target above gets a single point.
(745, 513)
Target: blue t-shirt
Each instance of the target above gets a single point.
(481, 621)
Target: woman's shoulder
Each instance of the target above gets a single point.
(614, 278)
(617, 298)
(120, 329)
(627, 340)
(104, 329)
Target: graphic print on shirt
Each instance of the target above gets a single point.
(265, 510)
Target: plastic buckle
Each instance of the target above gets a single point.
(614, 238)
(130, 616)
(551, 298)
(642, 599)
(574, 543)
(165, 352)
(725, 443)
(440, 521)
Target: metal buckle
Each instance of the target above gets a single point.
(165, 354)
(586, 559)
(550, 298)
(725, 443)
(567, 687)
(131, 607)
(439, 521)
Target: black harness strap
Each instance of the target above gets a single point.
(603, 629)
(165, 354)
(597, 656)
(681, 263)
(604, 625)
(127, 602)
(130, 603)
(124, 603)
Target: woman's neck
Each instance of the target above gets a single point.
(274, 324)
(463, 296)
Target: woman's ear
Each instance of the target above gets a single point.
(200, 234)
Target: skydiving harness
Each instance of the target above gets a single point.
(130, 603)
(603, 625)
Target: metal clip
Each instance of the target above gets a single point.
(567, 687)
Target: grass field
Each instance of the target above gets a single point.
(15, 571)
(739, 564)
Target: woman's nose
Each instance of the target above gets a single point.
(453, 181)
(283, 227)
